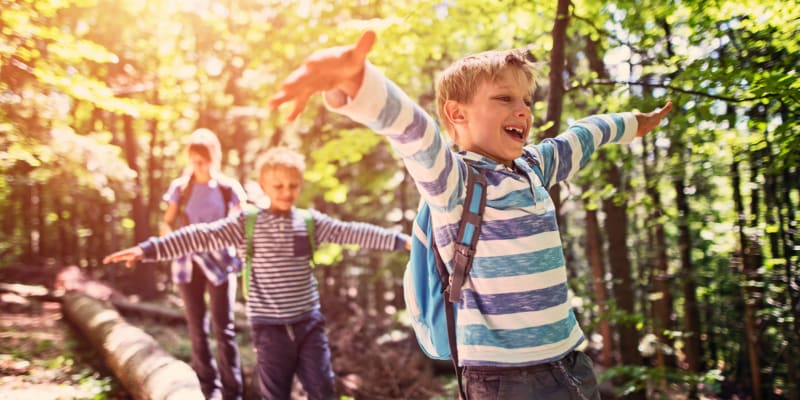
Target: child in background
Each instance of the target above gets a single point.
(516, 332)
(283, 307)
(204, 194)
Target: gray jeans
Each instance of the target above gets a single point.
(570, 378)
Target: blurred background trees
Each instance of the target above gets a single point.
(682, 249)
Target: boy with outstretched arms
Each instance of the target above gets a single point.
(283, 307)
(516, 332)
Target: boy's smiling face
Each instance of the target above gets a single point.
(497, 121)
(282, 185)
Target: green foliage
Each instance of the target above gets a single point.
(638, 378)
(74, 76)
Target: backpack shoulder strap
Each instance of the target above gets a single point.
(309, 220)
(181, 219)
(468, 231)
(227, 195)
(466, 242)
(251, 213)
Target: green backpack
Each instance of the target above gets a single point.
(251, 214)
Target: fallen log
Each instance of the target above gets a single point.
(160, 312)
(146, 370)
(37, 292)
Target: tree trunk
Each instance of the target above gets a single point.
(662, 293)
(58, 207)
(555, 98)
(144, 282)
(751, 335)
(787, 298)
(25, 205)
(141, 365)
(693, 349)
(616, 232)
(594, 254)
(153, 182)
(41, 222)
(792, 277)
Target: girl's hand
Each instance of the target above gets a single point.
(129, 255)
(648, 121)
(339, 67)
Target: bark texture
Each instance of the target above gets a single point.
(146, 370)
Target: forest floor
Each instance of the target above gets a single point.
(43, 357)
(40, 357)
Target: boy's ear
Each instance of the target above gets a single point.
(454, 112)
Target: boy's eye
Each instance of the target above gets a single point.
(528, 103)
(503, 98)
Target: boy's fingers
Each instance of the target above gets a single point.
(364, 45)
(662, 112)
(278, 99)
(299, 105)
(298, 77)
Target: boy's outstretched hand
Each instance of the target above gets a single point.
(648, 121)
(129, 255)
(339, 67)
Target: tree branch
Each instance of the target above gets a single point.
(611, 82)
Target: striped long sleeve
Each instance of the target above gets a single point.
(282, 287)
(514, 309)
(195, 238)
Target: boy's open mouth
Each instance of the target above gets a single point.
(515, 132)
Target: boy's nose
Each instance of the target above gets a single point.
(523, 110)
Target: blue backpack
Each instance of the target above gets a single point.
(430, 290)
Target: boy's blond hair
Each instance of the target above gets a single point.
(280, 157)
(461, 80)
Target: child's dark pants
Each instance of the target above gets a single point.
(222, 298)
(300, 347)
(570, 378)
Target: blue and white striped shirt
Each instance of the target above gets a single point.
(282, 288)
(514, 308)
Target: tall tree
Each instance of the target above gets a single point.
(616, 227)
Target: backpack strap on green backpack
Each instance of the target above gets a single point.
(251, 213)
(309, 220)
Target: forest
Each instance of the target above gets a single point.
(682, 249)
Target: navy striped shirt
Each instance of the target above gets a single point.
(282, 288)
